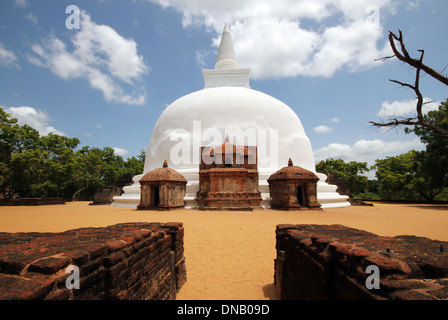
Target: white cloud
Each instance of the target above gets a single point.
(200, 56)
(413, 4)
(405, 108)
(274, 40)
(88, 134)
(21, 3)
(35, 118)
(120, 151)
(101, 56)
(366, 150)
(323, 129)
(7, 57)
(334, 120)
(31, 17)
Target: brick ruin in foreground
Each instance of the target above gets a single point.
(329, 262)
(126, 261)
(136, 261)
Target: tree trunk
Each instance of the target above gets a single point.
(87, 185)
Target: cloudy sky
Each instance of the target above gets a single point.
(106, 77)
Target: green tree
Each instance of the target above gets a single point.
(32, 165)
(51, 166)
(135, 165)
(397, 176)
(350, 172)
(434, 164)
(409, 176)
(370, 191)
(96, 168)
(59, 155)
(20, 160)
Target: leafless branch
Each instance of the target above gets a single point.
(384, 58)
(403, 84)
(443, 70)
(394, 122)
(429, 101)
(418, 64)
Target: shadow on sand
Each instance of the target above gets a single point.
(270, 291)
(435, 207)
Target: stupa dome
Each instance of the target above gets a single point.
(216, 112)
(227, 106)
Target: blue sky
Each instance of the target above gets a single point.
(107, 82)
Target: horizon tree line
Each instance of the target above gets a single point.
(54, 166)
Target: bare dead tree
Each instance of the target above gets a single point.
(403, 55)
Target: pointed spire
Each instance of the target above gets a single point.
(290, 164)
(165, 164)
(226, 53)
(226, 27)
(227, 139)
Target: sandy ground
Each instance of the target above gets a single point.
(230, 255)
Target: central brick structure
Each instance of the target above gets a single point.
(228, 178)
(321, 262)
(131, 261)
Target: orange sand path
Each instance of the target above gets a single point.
(230, 255)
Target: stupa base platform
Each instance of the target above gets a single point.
(327, 196)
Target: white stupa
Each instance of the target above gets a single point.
(228, 106)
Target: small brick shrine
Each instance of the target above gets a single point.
(105, 195)
(228, 178)
(162, 189)
(293, 188)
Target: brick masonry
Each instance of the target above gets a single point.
(329, 262)
(130, 261)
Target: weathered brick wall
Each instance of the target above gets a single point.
(329, 262)
(125, 261)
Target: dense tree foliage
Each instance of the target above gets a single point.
(409, 176)
(52, 166)
(433, 165)
(397, 176)
(351, 173)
